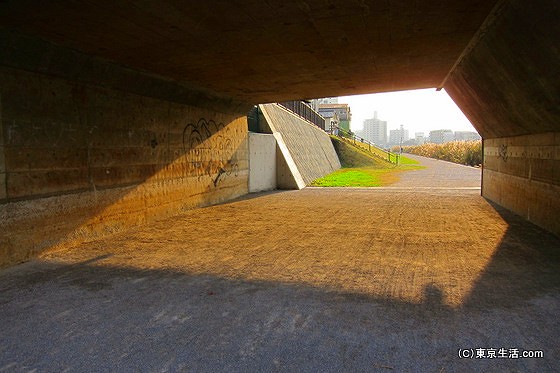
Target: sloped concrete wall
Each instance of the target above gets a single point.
(78, 161)
(311, 153)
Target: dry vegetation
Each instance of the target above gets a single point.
(462, 152)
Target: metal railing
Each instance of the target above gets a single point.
(303, 110)
(371, 147)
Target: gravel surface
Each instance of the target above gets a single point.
(319, 280)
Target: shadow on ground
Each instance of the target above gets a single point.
(93, 316)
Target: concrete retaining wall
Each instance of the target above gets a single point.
(307, 151)
(522, 173)
(262, 162)
(79, 161)
(507, 85)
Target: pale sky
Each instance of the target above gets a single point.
(420, 110)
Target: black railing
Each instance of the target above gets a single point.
(371, 147)
(304, 111)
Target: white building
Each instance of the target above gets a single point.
(321, 101)
(419, 138)
(466, 136)
(375, 130)
(398, 136)
(441, 136)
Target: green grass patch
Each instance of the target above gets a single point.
(404, 160)
(352, 177)
(362, 169)
(363, 176)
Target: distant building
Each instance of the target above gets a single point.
(375, 130)
(342, 111)
(331, 121)
(441, 136)
(419, 138)
(466, 136)
(398, 136)
(328, 100)
(320, 101)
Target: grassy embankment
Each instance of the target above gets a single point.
(394, 157)
(361, 169)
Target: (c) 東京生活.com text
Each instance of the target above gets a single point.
(499, 353)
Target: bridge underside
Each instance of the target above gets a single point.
(114, 113)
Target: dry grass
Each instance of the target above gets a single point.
(462, 152)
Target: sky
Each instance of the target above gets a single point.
(419, 110)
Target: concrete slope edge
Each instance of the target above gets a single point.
(284, 155)
(310, 148)
(298, 182)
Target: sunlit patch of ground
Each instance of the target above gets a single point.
(381, 244)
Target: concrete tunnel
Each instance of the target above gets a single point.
(96, 98)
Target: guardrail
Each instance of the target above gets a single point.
(303, 110)
(371, 147)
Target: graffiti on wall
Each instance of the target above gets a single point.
(503, 152)
(209, 150)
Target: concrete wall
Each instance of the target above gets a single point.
(262, 162)
(308, 153)
(522, 173)
(78, 161)
(507, 84)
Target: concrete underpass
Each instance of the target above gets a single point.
(124, 140)
(275, 282)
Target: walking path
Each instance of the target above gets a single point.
(317, 280)
(440, 174)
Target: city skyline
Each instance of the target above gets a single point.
(422, 110)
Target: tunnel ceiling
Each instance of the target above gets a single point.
(265, 51)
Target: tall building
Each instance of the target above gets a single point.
(398, 136)
(375, 130)
(441, 136)
(342, 111)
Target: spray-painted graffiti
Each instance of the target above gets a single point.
(503, 152)
(209, 150)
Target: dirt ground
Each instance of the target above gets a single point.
(322, 279)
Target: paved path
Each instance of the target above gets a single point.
(318, 280)
(440, 174)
